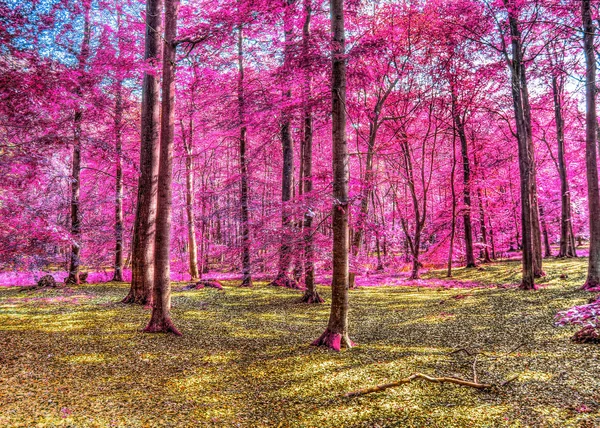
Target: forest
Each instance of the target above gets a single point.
(358, 213)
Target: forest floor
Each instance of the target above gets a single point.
(75, 357)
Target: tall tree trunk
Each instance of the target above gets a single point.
(246, 270)
(118, 274)
(525, 155)
(591, 163)
(84, 53)
(160, 322)
(453, 220)
(459, 126)
(283, 278)
(547, 249)
(567, 247)
(311, 294)
(482, 225)
(336, 334)
(142, 262)
(189, 201)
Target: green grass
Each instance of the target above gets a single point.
(79, 359)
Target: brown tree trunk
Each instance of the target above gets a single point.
(84, 53)
(160, 321)
(525, 155)
(246, 270)
(567, 247)
(593, 276)
(189, 200)
(142, 261)
(283, 278)
(459, 126)
(311, 294)
(336, 334)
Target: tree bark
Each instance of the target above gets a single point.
(567, 241)
(189, 200)
(118, 274)
(311, 295)
(287, 173)
(75, 261)
(547, 249)
(336, 334)
(525, 155)
(453, 219)
(142, 261)
(246, 269)
(459, 126)
(160, 321)
(593, 276)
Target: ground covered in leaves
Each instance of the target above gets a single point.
(76, 358)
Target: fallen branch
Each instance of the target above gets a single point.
(422, 376)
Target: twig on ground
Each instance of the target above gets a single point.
(422, 376)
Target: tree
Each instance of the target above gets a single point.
(142, 265)
(84, 53)
(161, 303)
(591, 123)
(335, 335)
(311, 294)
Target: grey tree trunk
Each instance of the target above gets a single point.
(246, 269)
(567, 241)
(189, 200)
(311, 294)
(525, 155)
(75, 261)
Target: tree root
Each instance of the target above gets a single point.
(204, 283)
(312, 297)
(335, 341)
(454, 380)
(163, 325)
(283, 280)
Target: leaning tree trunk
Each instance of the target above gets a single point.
(525, 157)
(160, 322)
(283, 278)
(246, 271)
(311, 294)
(336, 334)
(459, 126)
(75, 261)
(567, 247)
(142, 260)
(593, 276)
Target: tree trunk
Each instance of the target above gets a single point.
(246, 270)
(593, 276)
(118, 274)
(160, 322)
(336, 334)
(547, 249)
(459, 126)
(311, 294)
(283, 278)
(189, 201)
(84, 53)
(453, 220)
(525, 157)
(567, 247)
(142, 262)
(483, 228)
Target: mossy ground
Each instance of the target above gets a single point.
(79, 359)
